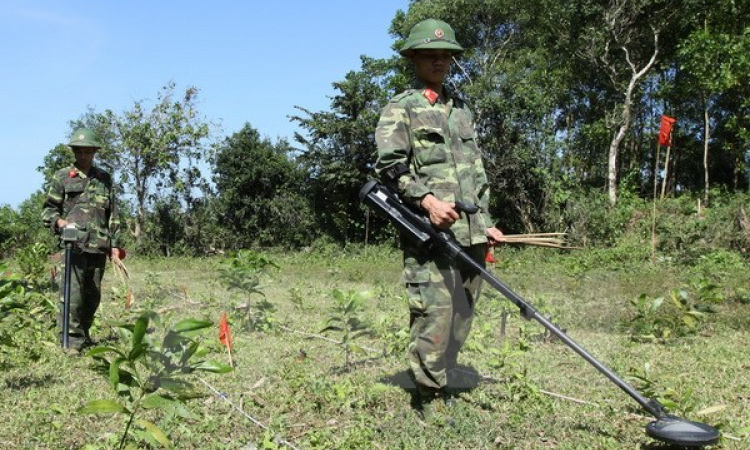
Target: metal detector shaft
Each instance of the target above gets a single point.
(384, 202)
(66, 294)
(528, 311)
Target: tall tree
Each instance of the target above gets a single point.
(339, 148)
(715, 58)
(261, 192)
(159, 149)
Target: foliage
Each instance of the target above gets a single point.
(159, 150)
(345, 320)
(22, 228)
(26, 314)
(261, 192)
(339, 153)
(148, 373)
(661, 319)
(244, 273)
(692, 235)
(295, 386)
(675, 400)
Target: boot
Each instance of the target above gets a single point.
(433, 409)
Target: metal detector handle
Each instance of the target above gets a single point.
(468, 208)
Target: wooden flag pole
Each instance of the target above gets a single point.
(229, 352)
(653, 214)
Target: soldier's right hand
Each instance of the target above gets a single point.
(442, 214)
(61, 223)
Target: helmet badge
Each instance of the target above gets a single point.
(439, 33)
(80, 136)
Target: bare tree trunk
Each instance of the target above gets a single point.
(625, 115)
(614, 147)
(706, 137)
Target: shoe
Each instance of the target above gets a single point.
(76, 344)
(433, 409)
(448, 398)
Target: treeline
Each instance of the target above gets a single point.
(568, 98)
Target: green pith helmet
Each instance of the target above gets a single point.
(431, 33)
(84, 137)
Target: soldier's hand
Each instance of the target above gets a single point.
(442, 214)
(61, 223)
(495, 236)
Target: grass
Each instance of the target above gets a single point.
(522, 393)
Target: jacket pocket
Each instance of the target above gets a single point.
(429, 146)
(468, 138)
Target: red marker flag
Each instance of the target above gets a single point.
(488, 256)
(665, 131)
(225, 335)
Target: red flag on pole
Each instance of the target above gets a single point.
(488, 256)
(665, 131)
(225, 335)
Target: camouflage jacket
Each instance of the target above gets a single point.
(437, 142)
(86, 200)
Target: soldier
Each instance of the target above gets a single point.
(427, 151)
(82, 195)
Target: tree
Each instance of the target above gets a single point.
(158, 150)
(339, 151)
(261, 192)
(715, 59)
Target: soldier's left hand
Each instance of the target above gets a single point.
(495, 236)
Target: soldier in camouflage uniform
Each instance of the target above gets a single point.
(82, 195)
(427, 151)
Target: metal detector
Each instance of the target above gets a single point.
(667, 428)
(68, 236)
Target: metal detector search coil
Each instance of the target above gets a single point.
(415, 226)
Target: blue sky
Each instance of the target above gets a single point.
(253, 61)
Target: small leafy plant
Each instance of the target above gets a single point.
(674, 400)
(26, 314)
(243, 273)
(660, 319)
(344, 320)
(148, 373)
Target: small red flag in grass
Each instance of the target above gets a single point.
(225, 336)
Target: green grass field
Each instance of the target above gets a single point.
(292, 389)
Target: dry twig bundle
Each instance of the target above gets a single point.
(554, 240)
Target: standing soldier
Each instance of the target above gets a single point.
(81, 195)
(427, 151)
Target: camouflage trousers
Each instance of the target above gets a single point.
(87, 271)
(442, 295)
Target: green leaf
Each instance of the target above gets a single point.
(104, 349)
(137, 351)
(139, 330)
(156, 401)
(103, 406)
(213, 367)
(191, 325)
(114, 372)
(177, 407)
(656, 304)
(356, 349)
(175, 385)
(156, 433)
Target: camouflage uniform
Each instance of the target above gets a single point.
(436, 141)
(85, 199)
